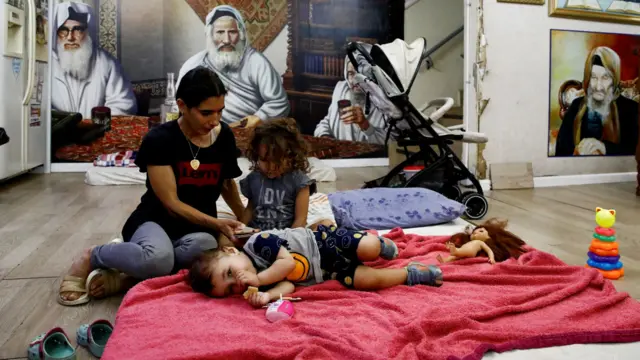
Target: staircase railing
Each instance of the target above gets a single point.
(436, 47)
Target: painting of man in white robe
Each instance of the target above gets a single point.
(359, 121)
(84, 75)
(255, 90)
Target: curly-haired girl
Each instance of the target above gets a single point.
(278, 187)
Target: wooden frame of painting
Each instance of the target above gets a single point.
(617, 11)
(526, 2)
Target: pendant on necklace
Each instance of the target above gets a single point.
(195, 164)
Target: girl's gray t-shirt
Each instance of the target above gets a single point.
(274, 200)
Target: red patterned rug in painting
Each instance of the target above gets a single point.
(127, 132)
(264, 19)
(324, 148)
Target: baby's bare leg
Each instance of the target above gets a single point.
(368, 248)
(367, 278)
(372, 247)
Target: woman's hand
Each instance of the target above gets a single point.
(228, 227)
(259, 299)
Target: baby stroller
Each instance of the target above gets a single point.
(386, 73)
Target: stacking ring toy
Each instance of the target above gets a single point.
(603, 259)
(604, 238)
(604, 245)
(602, 252)
(604, 266)
(611, 275)
(604, 231)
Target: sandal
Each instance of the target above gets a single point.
(52, 345)
(79, 285)
(419, 273)
(111, 277)
(73, 284)
(112, 281)
(94, 336)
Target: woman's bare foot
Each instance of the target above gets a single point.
(97, 290)
(81, 268)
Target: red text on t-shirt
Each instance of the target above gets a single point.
(207, 174)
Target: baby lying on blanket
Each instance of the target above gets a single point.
(280, 258)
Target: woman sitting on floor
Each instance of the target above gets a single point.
(189, 164)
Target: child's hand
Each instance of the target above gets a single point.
(245, 278)
(258, 299)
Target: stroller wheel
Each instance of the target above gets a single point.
(452, 192)
(477, 205)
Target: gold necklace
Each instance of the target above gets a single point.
(195, 163)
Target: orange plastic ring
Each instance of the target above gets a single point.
(605, 231)
(611, 274)
(604, 245)
(602, 252)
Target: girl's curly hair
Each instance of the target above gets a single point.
(284, 144)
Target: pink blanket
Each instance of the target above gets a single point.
(534, 302)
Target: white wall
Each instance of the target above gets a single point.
(434, 20)
(516, 119)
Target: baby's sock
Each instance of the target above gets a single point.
(418, 273)
(388, 249)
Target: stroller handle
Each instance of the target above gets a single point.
(352, 47)
(443, 104)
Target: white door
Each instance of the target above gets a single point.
(38, 107)
(469, 152)
(12, 87)
(36, 125)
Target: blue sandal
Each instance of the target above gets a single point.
(52, 345)
(94, 336)
(419, 273)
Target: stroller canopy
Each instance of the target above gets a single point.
(396, 65)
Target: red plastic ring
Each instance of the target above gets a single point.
(604, 231)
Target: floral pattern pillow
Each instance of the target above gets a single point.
(387, 208)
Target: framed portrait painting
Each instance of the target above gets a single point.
(594, 97)
(619, 11)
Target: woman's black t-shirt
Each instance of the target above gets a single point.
(167, 145)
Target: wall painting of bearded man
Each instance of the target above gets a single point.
(593, 100)
(116, 57)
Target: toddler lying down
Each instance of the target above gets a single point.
(275, 260)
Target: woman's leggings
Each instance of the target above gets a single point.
(151, 253)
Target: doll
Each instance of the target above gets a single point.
(490, 238)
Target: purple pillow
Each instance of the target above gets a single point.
(387, 208)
